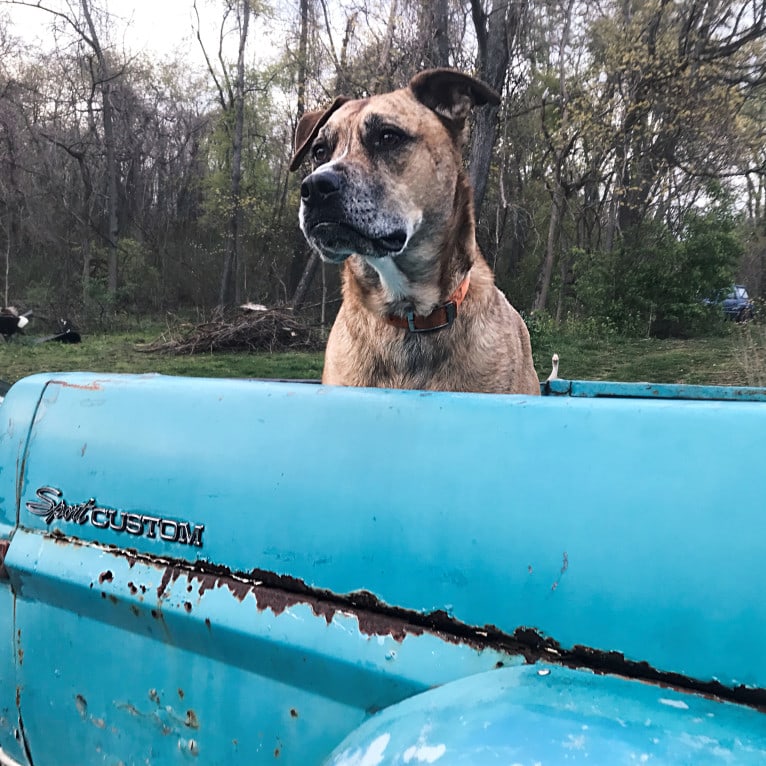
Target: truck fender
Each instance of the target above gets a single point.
(555, 715)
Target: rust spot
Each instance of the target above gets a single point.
(562, 571)
(169, 576)
(293, 712)
(154, 696)
(136, 611)
(94, 386)
(132, 588)
(187, 606)
(180, 693)
(113, 598)
(81, 705)
(207, 623)
(276, 752)
(155, 614)
(21, 656)
(18, 696)
(105, 577)
(191, 720)
(4, 545)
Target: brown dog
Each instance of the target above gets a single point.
(389, 197)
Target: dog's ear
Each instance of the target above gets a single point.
(451, 94)
(308, 127)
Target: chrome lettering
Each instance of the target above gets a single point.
(95, 519)
(134, 524)
(51, 506)
(152, 521)
(172, 535)
(117, 528)
(187, 536)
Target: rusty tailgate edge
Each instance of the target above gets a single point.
(279, 592)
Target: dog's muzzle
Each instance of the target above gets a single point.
(341, 219)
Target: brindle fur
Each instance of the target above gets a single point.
(417, 188)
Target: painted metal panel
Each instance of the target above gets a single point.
(126, 661)
(589, 520)
(15, 422)
(602, 388)
(346, 549)
(536, 715)
(11, 685)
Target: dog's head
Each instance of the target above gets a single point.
(385, 168)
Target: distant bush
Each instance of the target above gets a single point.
(654, 283)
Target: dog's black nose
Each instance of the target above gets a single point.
(320, 186)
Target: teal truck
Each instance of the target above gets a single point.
(243, 572)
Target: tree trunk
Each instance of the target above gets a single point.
(305, 282)
(297, 273)
(230, 292)
(496, 32)
(107, 115)
(554, 223)
(7, 260)
(561, 147)
(302, 59)
(383, 80)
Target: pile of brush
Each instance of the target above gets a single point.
(253, 330)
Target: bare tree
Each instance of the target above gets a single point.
(497, 28)
(79, 18)
(560, 149)
(231, 98)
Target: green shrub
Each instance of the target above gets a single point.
(653, 283)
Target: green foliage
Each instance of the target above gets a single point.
(655, 283)
(139, 280)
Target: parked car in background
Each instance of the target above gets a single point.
(736, 304)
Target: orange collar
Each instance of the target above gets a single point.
(441, 317)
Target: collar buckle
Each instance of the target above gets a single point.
(448, 310)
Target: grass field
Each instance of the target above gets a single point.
(737, 357)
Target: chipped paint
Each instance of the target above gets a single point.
(372, 756)
(96, 385)
(422, 753)
(3, 551)
(279, 593)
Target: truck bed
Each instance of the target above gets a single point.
(208, 571)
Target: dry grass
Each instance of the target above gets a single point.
(752, 353)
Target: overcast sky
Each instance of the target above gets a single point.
(159, 26)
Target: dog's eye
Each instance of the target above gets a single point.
(320, 153)
(389, 138)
